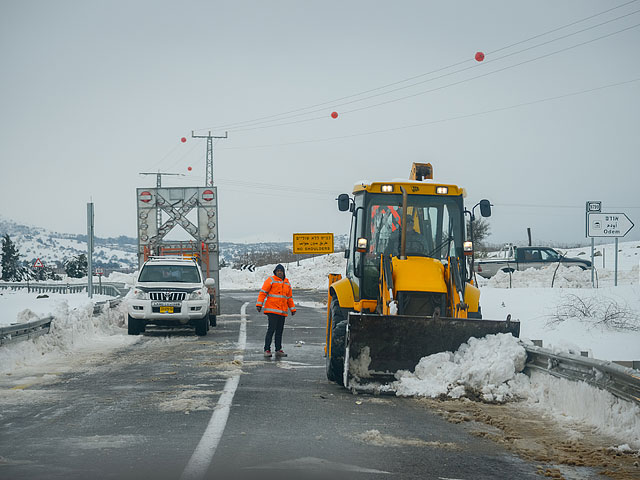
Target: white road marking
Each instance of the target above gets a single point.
(203, 454)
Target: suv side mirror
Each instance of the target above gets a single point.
(343, 202)
(210, 283)
(485, 208)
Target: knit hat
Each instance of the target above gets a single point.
(278, 267)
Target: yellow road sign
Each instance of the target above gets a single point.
(313, 243)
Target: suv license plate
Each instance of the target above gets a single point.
(166, 309)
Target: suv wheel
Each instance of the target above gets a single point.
(134, 326)
(201, 326)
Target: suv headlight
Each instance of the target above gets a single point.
(197, 295)
(139, 294)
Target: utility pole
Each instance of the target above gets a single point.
(209, 176)
(90, 240)
(158, 185)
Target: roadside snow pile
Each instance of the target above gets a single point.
(486, 367)
(577, 402)
(73, 329)
(309, 274)
(560, 276)
(490, 369)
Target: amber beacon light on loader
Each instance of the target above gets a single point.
(408, 291)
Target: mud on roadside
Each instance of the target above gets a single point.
(564, 450)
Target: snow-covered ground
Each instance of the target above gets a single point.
(572, 316)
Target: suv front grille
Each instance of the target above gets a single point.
(168, 296)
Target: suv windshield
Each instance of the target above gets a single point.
(170, 273)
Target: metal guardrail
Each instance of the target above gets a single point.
(620, 381)
(35, 328)
(25, 331)
(100, 306)
(113, 289)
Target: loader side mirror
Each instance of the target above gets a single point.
(485, 208)
(343, 202)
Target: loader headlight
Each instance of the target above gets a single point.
(442, 190)
(387, 188)
(468, 248)
(361, 245)
(197, 295)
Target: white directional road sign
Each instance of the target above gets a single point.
(608, 225)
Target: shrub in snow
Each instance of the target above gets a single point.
(596, 311)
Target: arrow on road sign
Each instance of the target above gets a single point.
(608, 225)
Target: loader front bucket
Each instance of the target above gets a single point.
(377, 346)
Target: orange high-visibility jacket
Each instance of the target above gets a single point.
(276, 296)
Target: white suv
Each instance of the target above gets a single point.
(169, 291)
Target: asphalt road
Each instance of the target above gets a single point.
(174, 405)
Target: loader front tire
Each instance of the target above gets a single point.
(335, 359)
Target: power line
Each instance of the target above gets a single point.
(577, 207)
(449, 84)
(433, 122)
(334, 101)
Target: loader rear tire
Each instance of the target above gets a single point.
(335, 360)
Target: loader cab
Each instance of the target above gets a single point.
(434, 229)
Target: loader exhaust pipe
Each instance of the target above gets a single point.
(403, 227)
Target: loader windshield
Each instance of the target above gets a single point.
(434, 229)
(434, 226)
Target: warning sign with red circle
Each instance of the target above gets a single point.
(145, 196)
(207, 195)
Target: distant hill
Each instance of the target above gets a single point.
(54, 248)
(119, 253)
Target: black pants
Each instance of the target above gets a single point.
(276, 325)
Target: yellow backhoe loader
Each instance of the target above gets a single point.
(408, 291)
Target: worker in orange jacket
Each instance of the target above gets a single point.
(275, 298)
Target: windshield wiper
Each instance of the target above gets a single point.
(446, 241)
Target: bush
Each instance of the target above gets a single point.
(596, 312)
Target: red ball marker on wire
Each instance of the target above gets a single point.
(479, 56)
(183, 139)
(334, 114)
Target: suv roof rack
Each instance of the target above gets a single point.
(173, 257)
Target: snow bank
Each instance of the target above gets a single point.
(490, 368)
(74, 328)
(560, 277)
(19, 306)
(578, 402)
(309, 274)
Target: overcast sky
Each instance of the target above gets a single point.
(94, 92)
